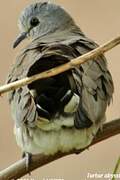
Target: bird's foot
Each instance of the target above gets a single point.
(27, 157)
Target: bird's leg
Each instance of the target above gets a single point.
(27, 157)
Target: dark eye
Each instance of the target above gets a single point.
(34, 21)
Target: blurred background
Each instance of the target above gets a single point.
(100, 20)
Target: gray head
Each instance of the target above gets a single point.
(41, 19)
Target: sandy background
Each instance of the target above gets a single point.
(100, 20)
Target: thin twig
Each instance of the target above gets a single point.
(18, 169)
(70, 65)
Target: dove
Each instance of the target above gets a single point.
(63, 112)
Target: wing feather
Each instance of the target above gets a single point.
(97, 86)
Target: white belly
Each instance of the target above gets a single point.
(54, 139)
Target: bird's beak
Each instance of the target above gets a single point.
(20, 38)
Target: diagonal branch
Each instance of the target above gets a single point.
(70, 65)
(18, 169)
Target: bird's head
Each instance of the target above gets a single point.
(42, 18)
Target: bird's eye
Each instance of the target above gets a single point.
(34, 21)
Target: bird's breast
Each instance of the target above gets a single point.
(48, 142)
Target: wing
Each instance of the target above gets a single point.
(96, 88)
(22, 103)
(91, 81)
(25, 101)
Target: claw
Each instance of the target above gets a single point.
(28, 157)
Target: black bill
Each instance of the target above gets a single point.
(20, 38)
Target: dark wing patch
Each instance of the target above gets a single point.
(50, 91)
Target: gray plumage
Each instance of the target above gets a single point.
(62, 112)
